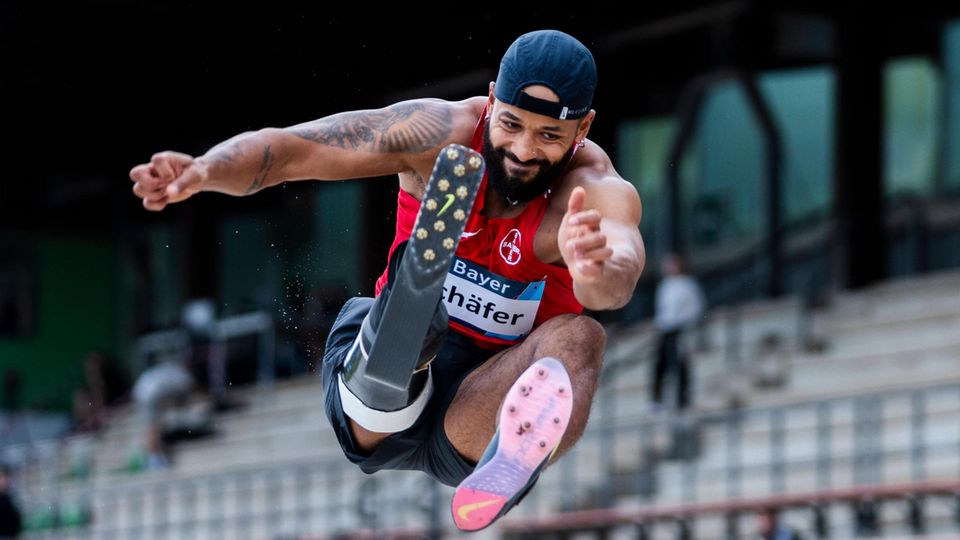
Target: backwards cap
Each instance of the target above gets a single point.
(555, 60)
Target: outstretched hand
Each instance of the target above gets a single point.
(170, 177)
(582, 245)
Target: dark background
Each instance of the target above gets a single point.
(93, 88)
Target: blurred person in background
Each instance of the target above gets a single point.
(679, 308)
(11, 522)
(160, 387)
(104, 386)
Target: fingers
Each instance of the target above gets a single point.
(163, 166)
(588, 218)
(148, 186)
(584, 245)
(591, 247)
(146, 175)
(155, 205)
(184, 186)
(186, 179)
(168, 178)
(575, 202)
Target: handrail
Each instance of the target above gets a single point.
(604, 517)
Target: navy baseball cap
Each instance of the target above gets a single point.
(555, 60)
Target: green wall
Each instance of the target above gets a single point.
(76, 303)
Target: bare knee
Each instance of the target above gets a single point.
(588, 329)
(578, 339)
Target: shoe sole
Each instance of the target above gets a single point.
(533, 419)
(443, 214)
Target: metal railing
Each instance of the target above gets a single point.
(866, 440)
(715, 458)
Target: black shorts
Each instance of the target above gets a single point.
(424, 446)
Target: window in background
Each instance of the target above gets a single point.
(644, 145)
(722, 171)
(721, 193)
(912, 109)
(802, 104)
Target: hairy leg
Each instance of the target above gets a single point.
(577, 341)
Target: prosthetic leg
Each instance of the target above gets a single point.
(385, 380)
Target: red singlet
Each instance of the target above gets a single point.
(497, 291)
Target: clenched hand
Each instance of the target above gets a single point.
(170, 177)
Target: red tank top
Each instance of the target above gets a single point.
(497, 291)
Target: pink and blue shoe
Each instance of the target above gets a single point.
(533, 419)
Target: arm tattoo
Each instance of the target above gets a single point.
(229, 150)
(265, 165)
(404, 127)
(227, 154)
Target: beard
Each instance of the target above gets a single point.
(512, 188)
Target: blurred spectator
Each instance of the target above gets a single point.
(158, 388)
(769, 526)
(103, 387)
(679, 307)
(208, 354)
(771, 361)
(10, 519)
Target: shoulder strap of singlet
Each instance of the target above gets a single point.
(477, 141)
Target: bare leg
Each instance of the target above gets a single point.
(577, 341)
(367, 440)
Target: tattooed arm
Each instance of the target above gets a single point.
(355, 144)
(371, 143)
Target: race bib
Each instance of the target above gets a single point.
(490, 304)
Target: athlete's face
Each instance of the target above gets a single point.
(526, 152)
(520, 181)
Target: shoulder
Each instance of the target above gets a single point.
(447, 122)
(450, 122)
(411, 119)
(470, 108)
(464, 116)
(592, 169)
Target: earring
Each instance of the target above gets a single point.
(581, 144)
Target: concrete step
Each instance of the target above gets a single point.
(904, 365)
(259, 405)
(927, 331)
(749, 324)
(876, 313)
(915, 295)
